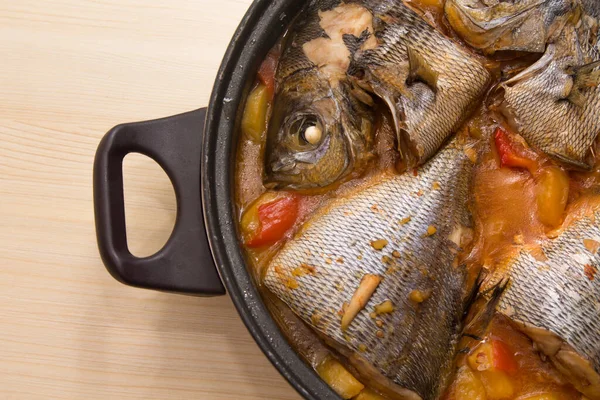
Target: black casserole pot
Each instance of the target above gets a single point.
(197, 149)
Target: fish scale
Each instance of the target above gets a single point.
(555, 299)
(419, 339)
(569, 304)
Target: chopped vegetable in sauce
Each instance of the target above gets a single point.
(520, 197)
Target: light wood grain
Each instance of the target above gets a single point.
(70, 70)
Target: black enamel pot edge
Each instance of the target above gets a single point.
(190, 146)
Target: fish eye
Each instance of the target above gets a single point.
(307, 130)
(312, 134)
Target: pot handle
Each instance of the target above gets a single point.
(185, 263)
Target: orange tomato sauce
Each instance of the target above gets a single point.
(516, 371)
(511, 207)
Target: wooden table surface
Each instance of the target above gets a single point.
(69, 71)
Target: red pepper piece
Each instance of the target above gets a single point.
(275, 218)
(512, 153)
(504, 357)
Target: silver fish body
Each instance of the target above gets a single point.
(428, 81)
(554, 104)
(415, 344)
(559, 294)
(519, 25)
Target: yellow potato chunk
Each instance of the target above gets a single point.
(481, 358)
(552, 195)
(340, 380)
(254, 119)
(468, 386)
(250, 222)
(497, 384)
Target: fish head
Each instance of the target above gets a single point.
(553, 104)
(315, 138)
(517, 25)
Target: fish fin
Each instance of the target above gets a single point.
(573, 160)
(481, 321)
(473, 294)
(398, 117)
(419, 70)
(404, 147)
(576, 97)
(362, 95)
(474, 337)
(584, 77)
(354, 43)
(583, 69)
(534, 68)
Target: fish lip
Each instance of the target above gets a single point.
(280, 175)
(281, 182)
(286, 164)
(270, 185)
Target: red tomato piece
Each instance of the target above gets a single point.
(504, 357)
(266, 72)
(513, 154)
(275, 218)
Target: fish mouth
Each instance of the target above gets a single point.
(281, 173)
(284, 165)
(501, 26)
(306, 170)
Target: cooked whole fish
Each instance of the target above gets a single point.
(318, 131)
(518, 25)
(428, 81)
(560, 295)
(554, 104)
(399, 237)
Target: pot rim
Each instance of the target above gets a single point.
(253, 38)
